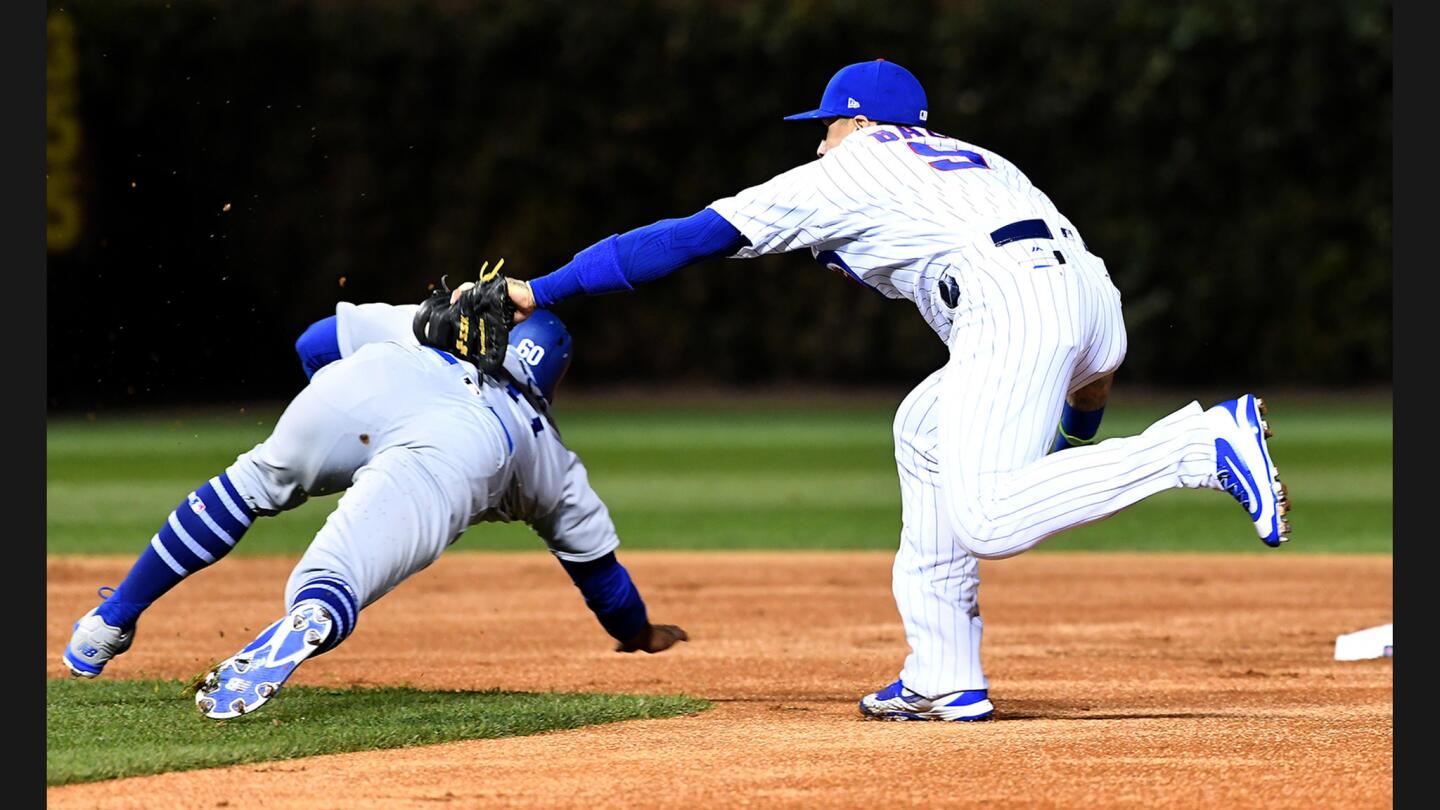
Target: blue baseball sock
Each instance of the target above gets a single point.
(336, 596)
(201, 530)
(1077, 427)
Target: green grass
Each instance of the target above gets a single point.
(109, 729)
(725, 477)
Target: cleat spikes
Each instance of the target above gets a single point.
(244, 683)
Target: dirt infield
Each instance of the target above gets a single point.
(1119, 680)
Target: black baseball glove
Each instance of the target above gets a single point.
(476, 326)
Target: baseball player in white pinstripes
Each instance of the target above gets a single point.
(1035, 333)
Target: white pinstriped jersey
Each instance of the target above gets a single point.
(894, 208)
(1028, 314)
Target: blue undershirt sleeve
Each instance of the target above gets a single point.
(610, 595)
(645, 254)
(318, 346)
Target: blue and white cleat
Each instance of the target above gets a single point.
(1244, 469)
(245, 681)
(93, 643)
(896, 702)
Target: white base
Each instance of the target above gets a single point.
(1375, 642)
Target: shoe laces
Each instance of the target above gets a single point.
(1232, 485)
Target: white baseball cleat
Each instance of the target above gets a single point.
(896, 702)
(93, 643)
(247, 680)
(1244, 469)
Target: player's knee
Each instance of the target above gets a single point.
(267, 488)
(988, 550)
(979, 534)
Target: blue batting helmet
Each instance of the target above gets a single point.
(543, 344)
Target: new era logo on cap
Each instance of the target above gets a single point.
(885, 91)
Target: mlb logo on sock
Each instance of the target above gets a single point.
(196, 505)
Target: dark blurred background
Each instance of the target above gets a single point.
(220, 174)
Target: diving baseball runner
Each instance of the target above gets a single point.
(1035, 333)
(423, 445)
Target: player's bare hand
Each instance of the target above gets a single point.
(653, 639)
(523, 297)
(455, 293)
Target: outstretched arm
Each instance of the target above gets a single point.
(614, 600)
(804, 207)
(620, 262)
(579, 531)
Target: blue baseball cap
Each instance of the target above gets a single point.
(881, 91)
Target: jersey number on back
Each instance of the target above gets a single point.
(952, 158)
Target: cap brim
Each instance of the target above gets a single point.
(806, 116)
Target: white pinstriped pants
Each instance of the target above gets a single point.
(971, 443)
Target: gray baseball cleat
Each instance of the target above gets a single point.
(93, 643)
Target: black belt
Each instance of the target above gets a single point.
(1024, 229)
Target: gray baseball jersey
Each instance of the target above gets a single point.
(424, 447)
